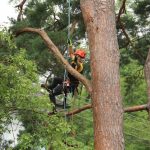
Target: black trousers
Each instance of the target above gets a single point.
(58, 88)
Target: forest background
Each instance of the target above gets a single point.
(25, 58)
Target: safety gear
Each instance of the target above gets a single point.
(66, 83)
(80, 52)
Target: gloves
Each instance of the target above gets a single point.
(69, 42)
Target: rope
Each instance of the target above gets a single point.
(68, 19)
(65, 73)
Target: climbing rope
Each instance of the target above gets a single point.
(68, 36)
(68, 19)
(65, 72)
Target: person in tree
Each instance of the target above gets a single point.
(58, 85)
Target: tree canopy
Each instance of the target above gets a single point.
(25, 58)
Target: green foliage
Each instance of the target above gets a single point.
(41, 130)
(136, 25)
(133, 84)
(20, 97)
(81, 124)
(52, 16)
(142, 9)
(136, 127)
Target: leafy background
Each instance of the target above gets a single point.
(25, 58)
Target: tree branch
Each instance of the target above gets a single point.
(76, 111)
(121, 11)
(128, 109)
(118, 21)
(20, 8)
(136, 108)
(52, 48)
(144, 107)
(124, 32)
(21, 4)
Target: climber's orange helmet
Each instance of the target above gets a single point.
(80, 53)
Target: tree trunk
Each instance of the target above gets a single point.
(147, 77)
(99, 18)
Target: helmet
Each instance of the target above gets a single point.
(80, 52)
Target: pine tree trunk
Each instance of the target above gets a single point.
(147, 77)
(99, 18)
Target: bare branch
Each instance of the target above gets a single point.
(144, 107)
(21, 4)
(76, 111)
(52, 48)
(20, 8)
(89, 106)
(118, 21)
(121, 11)
(136, 108)
(124, 32)
(128, 109)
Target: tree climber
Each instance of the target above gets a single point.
(58, 85)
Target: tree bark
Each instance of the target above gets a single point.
(99, 18)
(147, 77)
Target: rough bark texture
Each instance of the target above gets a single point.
(147, 77)
(99, 17)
